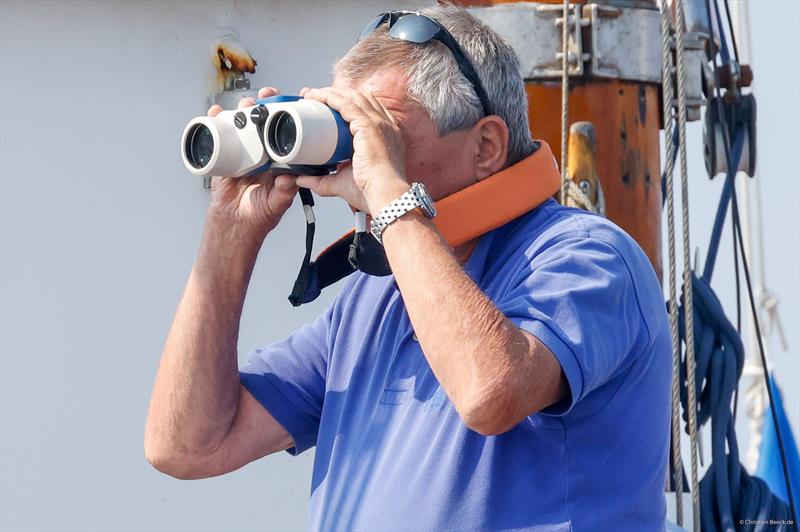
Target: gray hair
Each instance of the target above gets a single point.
(437, 84)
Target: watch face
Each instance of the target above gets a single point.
(425, 199)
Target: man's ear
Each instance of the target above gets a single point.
(491, 134)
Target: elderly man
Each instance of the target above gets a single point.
(518, 380)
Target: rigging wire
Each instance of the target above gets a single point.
(753, 310)
(755, 395)
(680, 26)
(738, 306)
(670, 145)
(731, 32)
(564, 97)
(738, 302)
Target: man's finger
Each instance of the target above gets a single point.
(247, 102)
(379, 108)
(334, 99)
(285, 182)
(325, 96)
(266, 92)
(346, 102)
(214, 110)
(310, 182)
(365, 102)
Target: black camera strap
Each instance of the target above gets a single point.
(301, 284)
(357, 250)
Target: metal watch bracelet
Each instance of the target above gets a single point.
(416, 197)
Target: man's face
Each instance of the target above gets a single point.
(445, 164)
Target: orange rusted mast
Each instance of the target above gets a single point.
(619, 96)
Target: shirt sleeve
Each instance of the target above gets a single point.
(579, 299)
(288, 379)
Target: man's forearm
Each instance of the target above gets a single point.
(196, 392)
(493, 373)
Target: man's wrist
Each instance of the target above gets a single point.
(384, 193)
(404, 226)
(228, 245)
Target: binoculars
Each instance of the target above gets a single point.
(285, 134)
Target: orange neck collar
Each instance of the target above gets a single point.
(498, 199)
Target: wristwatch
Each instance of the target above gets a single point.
(416, 198)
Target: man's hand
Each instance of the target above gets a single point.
(376, 174)
(256, 203)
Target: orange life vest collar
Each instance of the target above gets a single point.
(498, 199)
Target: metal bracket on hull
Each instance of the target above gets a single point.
(622, 44)
(534, 31)
(605, 42)
(615, 42)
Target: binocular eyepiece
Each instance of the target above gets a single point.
(287, 134)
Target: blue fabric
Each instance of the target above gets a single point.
(393, 454)
(770, 466)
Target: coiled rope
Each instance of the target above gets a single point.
(730, 498)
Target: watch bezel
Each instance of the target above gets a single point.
(424, 198)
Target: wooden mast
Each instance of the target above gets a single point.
(626, 117)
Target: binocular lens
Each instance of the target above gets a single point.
(282, 134)
(199, 146)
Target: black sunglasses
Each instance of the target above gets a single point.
(417, 28)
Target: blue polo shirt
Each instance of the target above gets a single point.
(392, 452)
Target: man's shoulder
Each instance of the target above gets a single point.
(566, 238)
(552, 224)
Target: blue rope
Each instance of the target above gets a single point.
(727, 493)
(730, 499)
(729, 496)
(723, 51)
(722, 209)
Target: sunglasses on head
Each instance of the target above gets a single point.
(417, 28)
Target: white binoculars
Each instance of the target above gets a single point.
(286, 134)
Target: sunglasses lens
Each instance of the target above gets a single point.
(414, 28)
(419, 29)
(371, 25)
